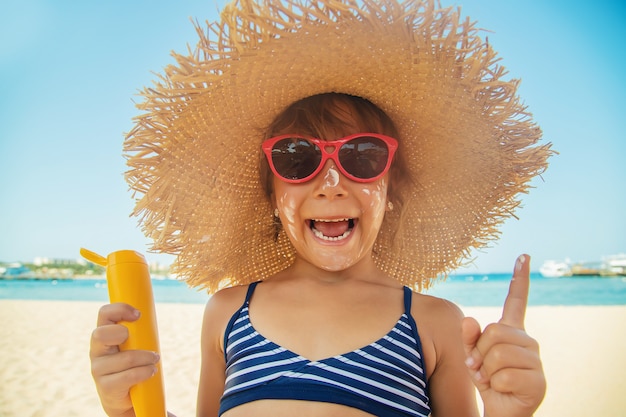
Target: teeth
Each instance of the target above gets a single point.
(320, 235)
(331, 221)
(332, 239)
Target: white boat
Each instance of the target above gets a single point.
(614, 265)
(556, 269)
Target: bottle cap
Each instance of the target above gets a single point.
(117, 257)
(125, 256)
(93, 257)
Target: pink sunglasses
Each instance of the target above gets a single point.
(363, 157)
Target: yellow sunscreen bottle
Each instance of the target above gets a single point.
(129, 282)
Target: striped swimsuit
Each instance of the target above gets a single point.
(384, 378)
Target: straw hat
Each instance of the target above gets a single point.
(194, 151)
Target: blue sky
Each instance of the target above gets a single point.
(69, 72)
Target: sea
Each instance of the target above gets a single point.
(465, 290)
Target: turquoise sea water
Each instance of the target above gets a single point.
(465, 290)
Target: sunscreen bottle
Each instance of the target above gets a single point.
(129, 282)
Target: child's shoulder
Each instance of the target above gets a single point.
(227, 299)
(439, 323)
(437, 309)
(223, 304)
(218, 312)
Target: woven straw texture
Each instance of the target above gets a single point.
(194, 151)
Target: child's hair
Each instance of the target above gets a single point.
(334, 115)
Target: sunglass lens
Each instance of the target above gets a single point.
(364, 157)
(295, 158)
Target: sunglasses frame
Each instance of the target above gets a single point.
(323, 145)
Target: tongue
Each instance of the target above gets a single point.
(332, 229)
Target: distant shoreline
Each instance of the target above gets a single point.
(37, 277)
(44, 277)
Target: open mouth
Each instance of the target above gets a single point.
(332, 230)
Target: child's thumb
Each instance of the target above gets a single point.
(470, 333)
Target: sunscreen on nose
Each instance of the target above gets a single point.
(128, 281)
(331, 179)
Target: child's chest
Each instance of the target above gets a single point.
(326, 329)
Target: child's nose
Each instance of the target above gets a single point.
(331, 178)
(330, 181)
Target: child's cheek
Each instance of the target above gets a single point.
(287, 206)
(377, 196)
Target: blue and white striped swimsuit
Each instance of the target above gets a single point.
(385, 378)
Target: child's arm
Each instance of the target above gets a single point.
(452, 393)
(114, 372)
(504, 360)
(218, 312)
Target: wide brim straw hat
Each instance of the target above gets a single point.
(470, 144)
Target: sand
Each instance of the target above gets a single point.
(44, 364)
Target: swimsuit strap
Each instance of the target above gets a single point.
(251, 288)
(232, 320)
(408, 296)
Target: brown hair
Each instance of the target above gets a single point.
(331, 116)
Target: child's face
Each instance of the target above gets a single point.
(332, 221)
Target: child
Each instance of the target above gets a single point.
(388, 147)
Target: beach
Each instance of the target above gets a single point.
(44, 361)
